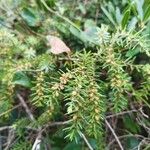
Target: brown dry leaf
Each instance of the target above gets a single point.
(57, 45)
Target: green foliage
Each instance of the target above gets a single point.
(107, 72)
(22, 145)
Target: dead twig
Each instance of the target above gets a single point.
(26, 107)
(12, 127)
(36, 145)
(10, 139)
(122, 113)
(113, 132)
(86, 141)
(141, 110)
(37, 130)
(141, 144)
(38, 140)
(5, 128)
(125, 136)
(52, 124)
(143, 124)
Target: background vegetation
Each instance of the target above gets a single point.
(96, 97)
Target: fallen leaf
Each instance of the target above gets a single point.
(57, 45)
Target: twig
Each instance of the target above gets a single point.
(38, 140)
(125, 136)
(15, 140)
(12, 127)
(141, 110)
(55, 124)
(26, 107)
(10, 138)
(113, 132)
(143, 124)
(34, 129)
(40, 130)
(5, 128)
(140, 144)
(122, 113)
(86, 141)
(36, 145)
